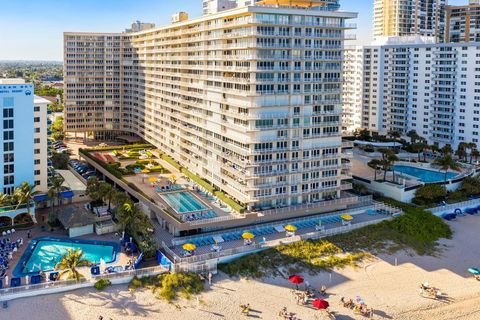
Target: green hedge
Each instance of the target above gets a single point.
(138, 146)
(207, 186)
(171, 161)
(229, 201)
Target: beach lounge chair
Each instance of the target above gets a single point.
(15, 282)
(36, 279)
(53, 276)
(95, 270)
(471, 210)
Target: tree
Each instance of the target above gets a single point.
(471, 186)
(461, 152)
(446, 163)
(413, 135)
(394, 135)
(56, 187)
(362, 134)
(23, 194)
(388, 160)
(93, 189)
(429, 194)
(69, 263)
(447, 149)
(5, 200)
(108, 193)
(375, 164)
(60, 160)
(474, 155)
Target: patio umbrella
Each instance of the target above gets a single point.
(290, 227)
(346, 217)
(152, 179)
(296, 279)
(189, 246)
(320, 304)
(248, 235)
(146, 171)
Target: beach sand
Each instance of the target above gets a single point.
(392, 290)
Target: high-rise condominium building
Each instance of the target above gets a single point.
(24, 138)
(430, 88)
(463, 22)
(352, 89)
(247, 98)
(409, 17)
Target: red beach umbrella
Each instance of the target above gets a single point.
(296, 279)
(320, 304)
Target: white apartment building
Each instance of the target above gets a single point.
(247, 98)
(352, 89)
(409, 17)
(431, 88)
(24, 137)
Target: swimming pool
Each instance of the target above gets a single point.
(183, 202)
(424, 175)
(44, 253)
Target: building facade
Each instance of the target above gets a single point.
(248, 98)
(433, 89)
(463, 23)
(409, 17)
(352, 89)
(24, 143)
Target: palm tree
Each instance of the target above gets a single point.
(388, 160)
(24, 194)
(93, 189)
(446, 163)
(127, 214)
(394, 135)
(375, 164)
(447, 149)
(474, 155)
(108, 193)
(413, 135)
(69, 263)
(5, 199)
(461, 152)
(56, 186)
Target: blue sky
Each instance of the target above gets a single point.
(33, 29)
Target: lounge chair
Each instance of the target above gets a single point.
(53, 276)
(95, 270)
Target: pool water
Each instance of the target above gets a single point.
(47, 253)
(424, 175)
(183, 202)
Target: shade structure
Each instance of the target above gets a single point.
(152, 179)
(296, 279)
(189, 246)
(290, 227)
(248, 235)
(145, 171)
(346, 217)
(320, 304)
(172, 177)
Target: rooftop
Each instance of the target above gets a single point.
(12, 81)
(71, 181)
(75, 216)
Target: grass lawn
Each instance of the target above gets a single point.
(416, 229)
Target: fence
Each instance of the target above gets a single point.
(67, 285)
(453, 206)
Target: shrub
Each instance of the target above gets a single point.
(171, 161)
(429, 194)
(204, 183)
(102, 284)
(471, 186)
(457, 196)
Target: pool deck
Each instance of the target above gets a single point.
(36, 232)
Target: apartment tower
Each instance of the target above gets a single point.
(248, 98)
(463, 23)
(409, 17)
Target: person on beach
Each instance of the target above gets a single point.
(323, 290)
(245, 309)
(210, 278)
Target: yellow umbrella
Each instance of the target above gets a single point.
(248, 235)
(152, 179)
(290, 227)
(189, 246)
(173, 177)
(145, 171)
(346, 217)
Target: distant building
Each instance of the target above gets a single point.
(24, 137)
(463, 22)
(140, 26)
(409, 17)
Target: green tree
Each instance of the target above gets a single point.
(447, 163)
(395, 135)
(362, 134)
(413, 135)
(429, 194)
(127, 214)
(23, 194)
(447, 149)
(93, 189)
(56, 187)
(474, 154)
(388, 160)
(60, 160)
(108, 193)
(69, 263)
(471, 186)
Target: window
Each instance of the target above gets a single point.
(37, 172)
(7, 124)
(7, 146)
(36, 140)
(7, 135)
(36, 119)
(8, 157)
(37, 161)
(8, 113)
(37, 151)
(36, 108)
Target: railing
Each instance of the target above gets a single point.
(453, 206)
(34, 289)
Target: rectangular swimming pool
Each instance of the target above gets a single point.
(44, 253)
(183, 202)
(424, 175)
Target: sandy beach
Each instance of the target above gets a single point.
(392, 290)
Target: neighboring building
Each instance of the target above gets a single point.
(24, 137)
(215, 6)
(352, 89)
(247, 98)
(431, 88)
(409, 17)
(463, 22)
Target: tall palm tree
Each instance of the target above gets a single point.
(24, 194)
(56, 187)
(375, 164)
(5, 199)
(413, 135)
(474, 154)
(108, 193)
(127, 214)
(447, 149)
(447, 163)
(394, 135)
(93, 188)
(69, 263)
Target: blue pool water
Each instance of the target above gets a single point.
(424, 174)
(45, 253)
(183, 202)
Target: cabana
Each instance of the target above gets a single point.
(76, 220)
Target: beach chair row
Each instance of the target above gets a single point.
(203, 241)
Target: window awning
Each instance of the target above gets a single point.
(41, 197)
(67, 194)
